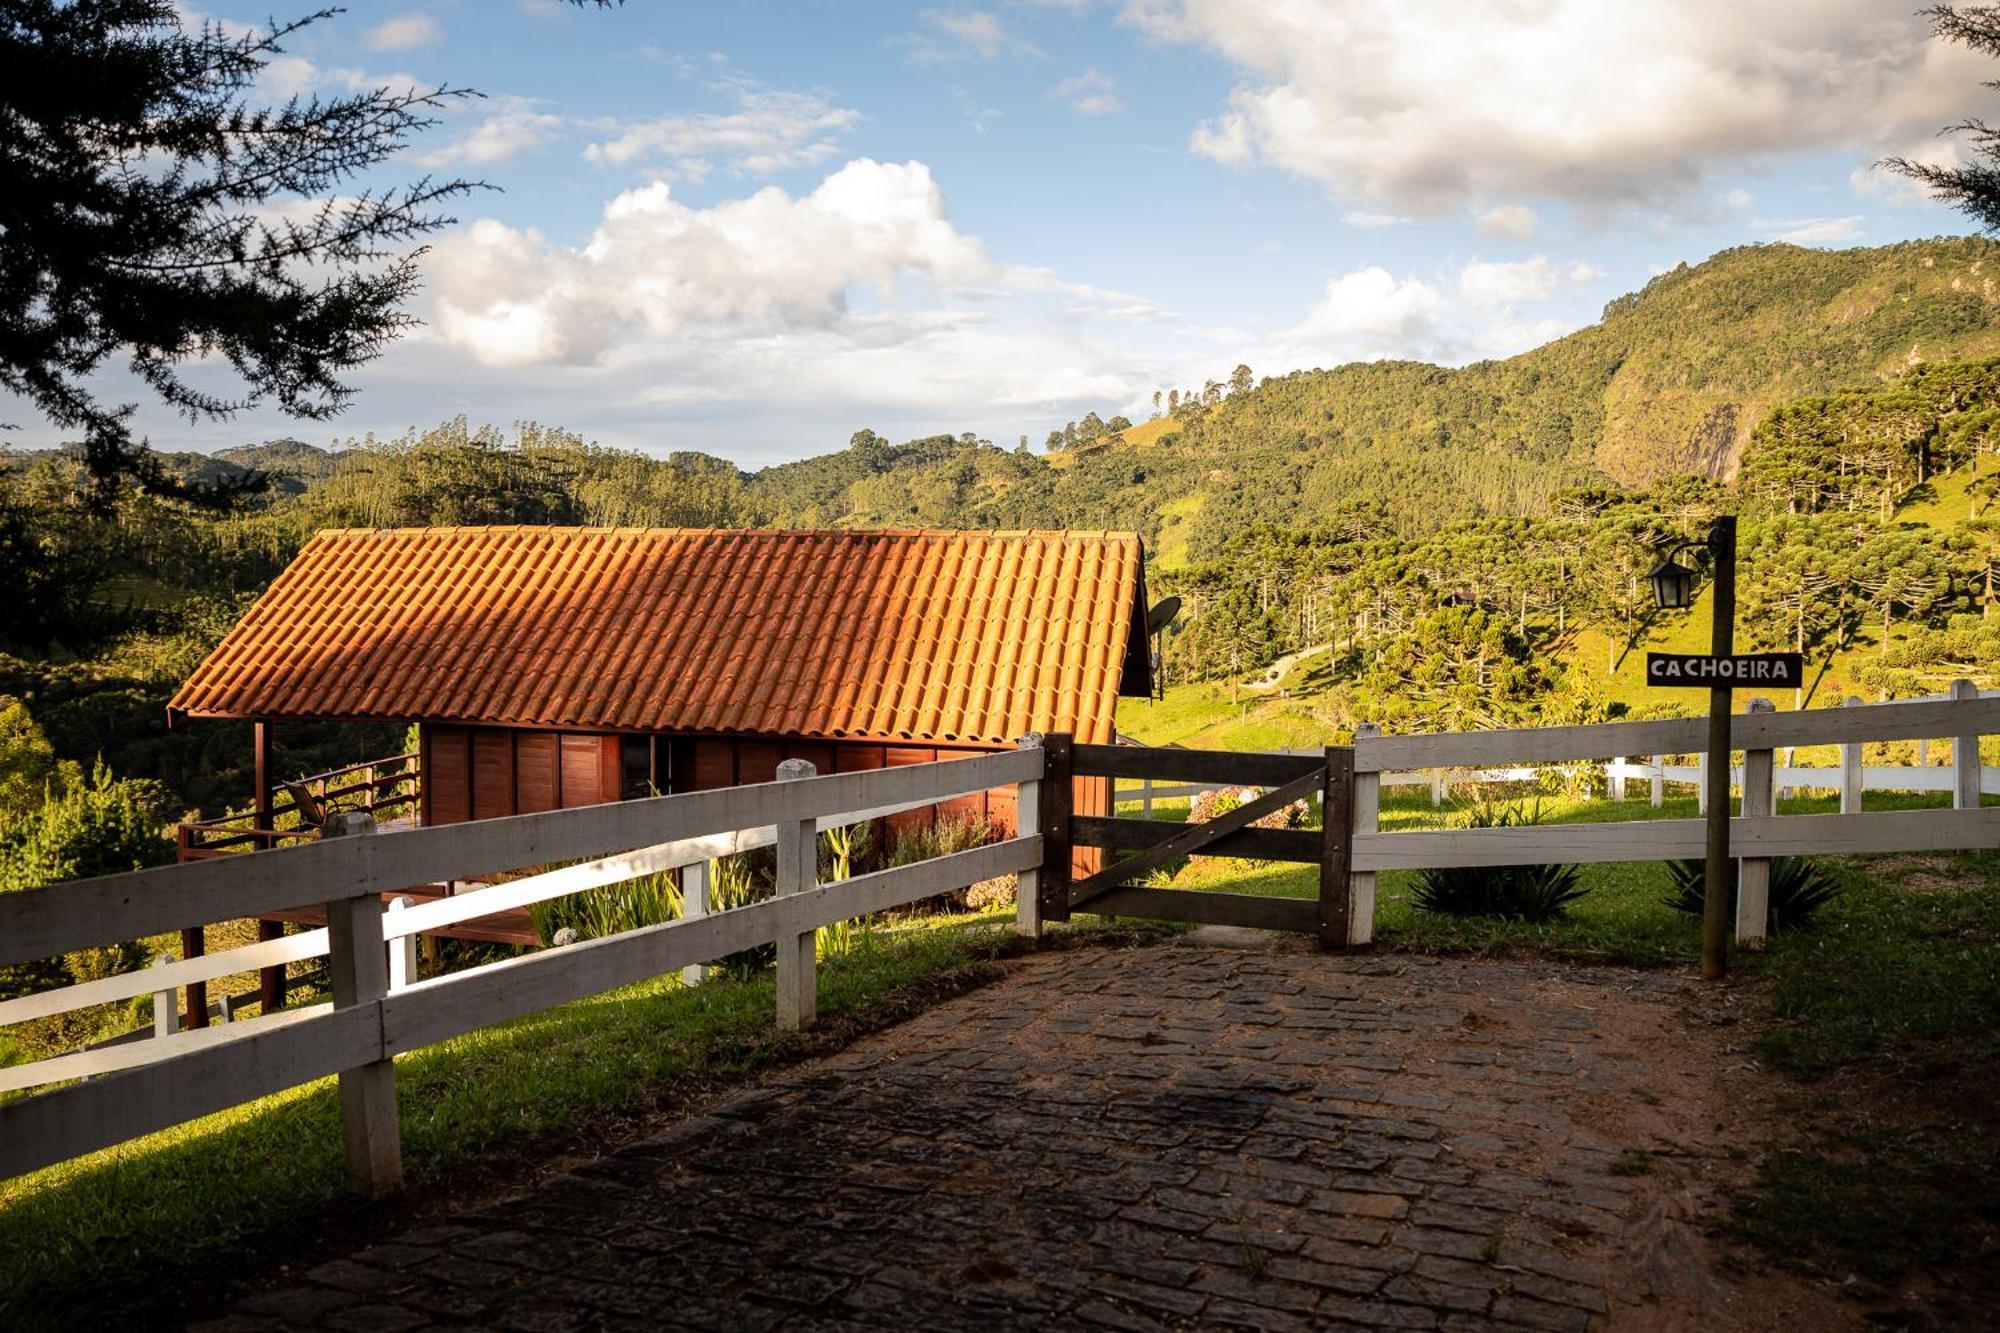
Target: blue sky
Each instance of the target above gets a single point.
(754, 228)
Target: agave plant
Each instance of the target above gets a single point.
(1533, 893)
(1800, 886)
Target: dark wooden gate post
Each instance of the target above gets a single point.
(1336, 846)
(1057, 799)
(270, 980)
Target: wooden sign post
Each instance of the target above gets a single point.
(1721, 670)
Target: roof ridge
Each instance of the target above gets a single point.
(858, 534)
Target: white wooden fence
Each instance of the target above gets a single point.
(1756, 835)
(378, 1011)
(1850, 776)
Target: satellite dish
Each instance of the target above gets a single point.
(1162, 614)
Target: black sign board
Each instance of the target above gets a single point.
(1784, 671)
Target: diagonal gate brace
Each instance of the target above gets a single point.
(1195, 837)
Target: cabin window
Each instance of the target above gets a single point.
(635, 762)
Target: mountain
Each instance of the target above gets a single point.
(292, 465)
(1671, 381)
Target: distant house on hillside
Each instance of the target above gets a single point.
(554, 667)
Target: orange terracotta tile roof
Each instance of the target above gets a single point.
(953, 636)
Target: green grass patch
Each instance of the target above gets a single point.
(1890, 1004)
(1903, 967)
(150, 1225)
(1873, 1204)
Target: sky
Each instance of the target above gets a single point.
(752, 229)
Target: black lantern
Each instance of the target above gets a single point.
(1673, 586)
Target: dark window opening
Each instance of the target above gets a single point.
(635, 765)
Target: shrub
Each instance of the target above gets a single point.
(732, 882)
(1532, 893)
(942, 837)
(1800, 886)
(611, 910)
(1210, 805)
(98, 825)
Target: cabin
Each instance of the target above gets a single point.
(548, 667)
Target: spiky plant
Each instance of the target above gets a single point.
(1533, 893)
(1800, 886)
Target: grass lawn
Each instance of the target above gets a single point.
(1887, 1012)
(144, 1227)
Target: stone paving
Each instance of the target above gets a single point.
(1167, 1137)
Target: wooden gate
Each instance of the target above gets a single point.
(1150, 844)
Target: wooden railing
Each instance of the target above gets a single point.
(384, 789)
(378, 1010)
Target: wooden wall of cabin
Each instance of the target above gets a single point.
(700, 763)
(489, 772)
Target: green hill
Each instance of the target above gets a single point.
(1671, 381)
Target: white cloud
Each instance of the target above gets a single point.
(959, 34)
(1370, 314)
(1495, 284)
(1092, 93)
(1812, 231)
(1605, 105)
(1897, 190)
(1367, 221)
(510, 127)
(1582, 272)
(656, 269)
(404, 32)
(1509, 222)
(770, 130)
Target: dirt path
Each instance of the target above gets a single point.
(1179, 1136)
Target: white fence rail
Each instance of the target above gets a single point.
(1849, 777)
(379, 1012)
(1756, 835)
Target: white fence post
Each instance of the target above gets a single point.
(1027, 823)
(1659, 780)
(1367, 816)
(1614, 778)
(1701, 783)
(402, 952)
(694, 903)
(1753, 873)
(1965, 756)
(358, 961)
(1850, 768)
(798, 870)
(166, 1007)
(1437, 789)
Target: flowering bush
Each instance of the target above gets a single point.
(1210, 805)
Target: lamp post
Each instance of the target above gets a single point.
(1673, 588)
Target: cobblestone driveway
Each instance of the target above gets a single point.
(1174, 1136)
